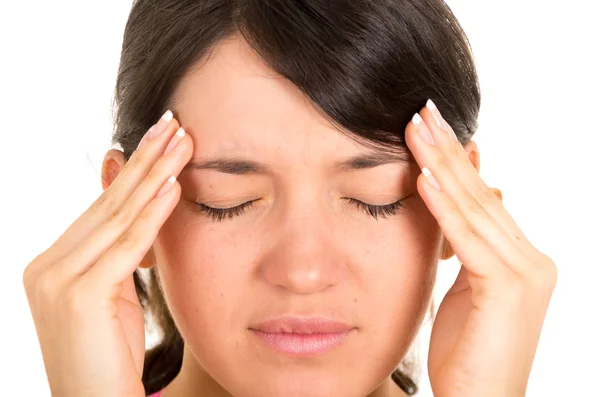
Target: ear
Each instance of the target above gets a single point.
(113, 164)
(473, 153)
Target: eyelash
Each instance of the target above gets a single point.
(218, 214)
(383, 211)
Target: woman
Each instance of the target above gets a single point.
(291, 205)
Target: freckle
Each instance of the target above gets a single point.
(355, 300)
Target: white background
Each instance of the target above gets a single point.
(538, 136)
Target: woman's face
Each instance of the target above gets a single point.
(302, 249)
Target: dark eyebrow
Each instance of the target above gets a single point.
(229, 166)
(245, 167)
(372, 160)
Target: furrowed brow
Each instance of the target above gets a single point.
(238, 166)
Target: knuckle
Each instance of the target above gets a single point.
(505, 286)
(518, 283)
(549, 273)
(139, 157)
(156, 174)
(439, 161)
(476, 209)
(46, 285)
(517, 288)
(485, 195)
(451, 215)
(73, 299)
(543, 276)
(120, 218)
(469, 232)
(129, 240)
(514, 286)
(107, 202)
(455, 148)
(27, 275)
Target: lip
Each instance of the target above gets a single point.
(301, 336)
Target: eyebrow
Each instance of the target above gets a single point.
(237, 166)
(372, 160)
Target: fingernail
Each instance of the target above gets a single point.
(430, 178)
(422, 128)
(432, 108)
(437, 115)
(162, 124)
(165, 188)
(174, 141)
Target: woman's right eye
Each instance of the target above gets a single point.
(219, 214)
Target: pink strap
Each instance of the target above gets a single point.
(157, 394)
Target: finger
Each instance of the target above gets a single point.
(89, 251)
(462, 167)
(476, 238)
(113, 198)
(121, 259)
(448, 156)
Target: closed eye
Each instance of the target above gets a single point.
(383, 211)
(375, 211)
(219, 214)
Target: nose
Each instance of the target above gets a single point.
(306, 258)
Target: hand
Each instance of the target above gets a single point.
(488, 326)
(88, 318)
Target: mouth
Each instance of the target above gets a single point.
(301, 336)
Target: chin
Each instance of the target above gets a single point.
(306, 383)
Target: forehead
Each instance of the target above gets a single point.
(233, 102)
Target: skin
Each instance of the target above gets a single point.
(301, 249)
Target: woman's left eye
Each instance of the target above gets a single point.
(375, 211)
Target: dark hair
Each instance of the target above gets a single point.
(368, 66)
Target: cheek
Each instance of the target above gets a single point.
(203, 273)
(401, 251)
(398, 261)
